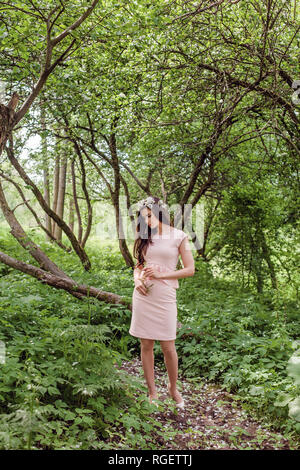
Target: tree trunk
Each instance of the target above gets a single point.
(122, 242)
(7, 114)
(115, 199)
(47, 232)
(63, 283)
(45, 168)
(47, 199)
(71, 200)
(86, 194)
(78, 249)
(76, 201)
(22, 237)
(55, 189)
(266, 255)
(61, 196)
(115, 195)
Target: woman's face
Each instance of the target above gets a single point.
(149, 217)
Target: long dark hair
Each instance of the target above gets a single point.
(143, 231)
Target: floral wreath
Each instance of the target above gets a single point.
(149, 201)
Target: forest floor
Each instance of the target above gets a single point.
(212, 419)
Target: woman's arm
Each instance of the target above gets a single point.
(179, 274)
(138, 280)
(188, 263)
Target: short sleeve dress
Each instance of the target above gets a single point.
(154, 316)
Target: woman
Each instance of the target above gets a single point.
(154, 307)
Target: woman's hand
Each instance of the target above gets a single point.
(152, 273)
(140, 287)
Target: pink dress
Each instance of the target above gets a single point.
(154, 316)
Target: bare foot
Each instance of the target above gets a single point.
(175, 394)
(153, 396)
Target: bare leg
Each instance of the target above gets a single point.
(171, 361)
(147, 358)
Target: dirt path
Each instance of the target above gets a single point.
(211, 419)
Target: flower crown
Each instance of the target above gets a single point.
(149, 201)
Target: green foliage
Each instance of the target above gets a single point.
(256, 243)
(60, 387)
(292, 400)
(242, 341)
(173, 86)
